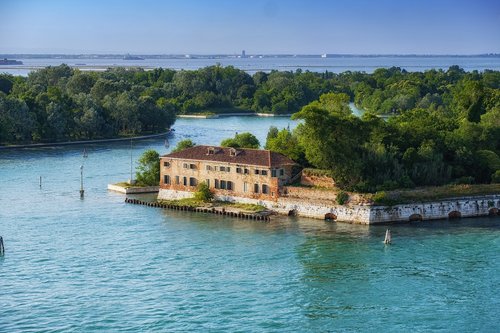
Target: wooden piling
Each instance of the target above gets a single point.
(2, 248)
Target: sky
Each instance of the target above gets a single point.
(257, 26)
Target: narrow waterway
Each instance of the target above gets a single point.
(99, 264)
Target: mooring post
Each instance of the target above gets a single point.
(2, 248)
(388, 237)
(81, 182)
(40, 181)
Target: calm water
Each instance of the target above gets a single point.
(252, 65)
(99, 264)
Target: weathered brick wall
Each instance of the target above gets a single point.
(321, 181)
(299, 192)
(202, 174)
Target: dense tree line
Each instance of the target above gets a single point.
(60, 103)
(445, 124)
(451, 143)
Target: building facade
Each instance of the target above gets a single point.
(229, 172)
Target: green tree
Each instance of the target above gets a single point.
(286, 143)
(203, 193)
(148, 170)
(183, 144)
(242, 140)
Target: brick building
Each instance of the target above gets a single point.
(229, 172)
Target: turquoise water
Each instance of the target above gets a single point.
(99, 264)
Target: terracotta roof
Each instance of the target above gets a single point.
(243, 156)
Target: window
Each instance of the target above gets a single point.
(193, 181)
(256, 188)
(166, 179)
(192, 166)
(228, 169)
(263, 172)
(265, 189)
(257, 171)
(222, 168)
(273, 173)
(177, 180)
(185, 166)
(282, 172)
(184, 181)
(223, 184)
(209, 167)
(246, 172)
(238, 170)
(208, 182)
(217, 183)
(230, 186)
(166, 164)
(245, 187)
(211, 151)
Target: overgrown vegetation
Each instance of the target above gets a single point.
(203, 193)
(183, 144)
(426, 194)
(241, 140)
(148, 170)
(444, 128)
(194, 202)
(342, 197)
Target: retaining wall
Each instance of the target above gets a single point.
(367, 214)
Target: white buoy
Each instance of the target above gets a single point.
(388, 237)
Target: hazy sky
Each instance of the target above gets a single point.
(258, 26)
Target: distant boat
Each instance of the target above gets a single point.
(130, 57)
(324, 55)
(6, 61)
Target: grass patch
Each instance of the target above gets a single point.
(426, 194)
(243, 206)
(127, 185)
(317, 172)
(186, 202)
(192, 202)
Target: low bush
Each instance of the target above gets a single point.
(203, 193)
(342, 197)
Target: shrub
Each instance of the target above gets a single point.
(148, 170)
(203, 193)
(382, 198)
(466, 180)
(183, 144)
(495, 177)
(342, 197)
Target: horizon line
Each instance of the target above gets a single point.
(249, 54)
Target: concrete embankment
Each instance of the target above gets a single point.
(133, 190)
(367, 214)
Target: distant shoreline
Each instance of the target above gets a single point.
(212, 56)
(81, 142)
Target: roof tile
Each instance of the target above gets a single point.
(246, 156)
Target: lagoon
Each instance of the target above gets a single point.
(99, 264)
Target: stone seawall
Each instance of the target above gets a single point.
(366, 214)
